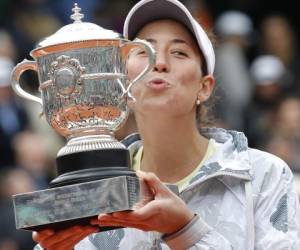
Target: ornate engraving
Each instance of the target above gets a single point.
(65, 74)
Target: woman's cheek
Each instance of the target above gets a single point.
(136, 93)
(131, 105)
(135, 66)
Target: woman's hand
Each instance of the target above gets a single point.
(166, 213)
(64, 239)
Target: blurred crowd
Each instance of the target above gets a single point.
(258, 89)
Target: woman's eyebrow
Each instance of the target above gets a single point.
(151, 40)
(177, 40)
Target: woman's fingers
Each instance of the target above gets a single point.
(124, 223)
(41, 235)
(137, 216)
(65, 237)
(150, 209)
(165, 214)
(154, 183)
(143, 213)
(119, 223)
(60, 236)
(71, 241)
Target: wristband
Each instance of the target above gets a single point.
(188, 236)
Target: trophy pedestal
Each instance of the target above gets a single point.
(64, 206)
(88, 183)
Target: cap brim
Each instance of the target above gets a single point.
(158, 10)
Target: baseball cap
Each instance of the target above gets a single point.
(147, 11)
(233, 22)
(267, 69)
(6, 67)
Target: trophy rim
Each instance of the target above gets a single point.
(60, 47)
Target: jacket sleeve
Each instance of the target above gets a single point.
(276, 214)
(276, 206)
(197, 235)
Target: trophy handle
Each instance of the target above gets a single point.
(15, 77)
(151, 55)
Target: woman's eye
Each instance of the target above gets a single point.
(179, 53)
(141, 52)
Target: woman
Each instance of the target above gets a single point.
(232, 197)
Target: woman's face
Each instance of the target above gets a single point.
(175, 82)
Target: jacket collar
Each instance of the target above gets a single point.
(230, 159)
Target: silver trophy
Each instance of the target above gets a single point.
(84, 90)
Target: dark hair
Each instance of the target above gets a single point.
(204, 111)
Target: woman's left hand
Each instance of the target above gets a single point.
(166, 213)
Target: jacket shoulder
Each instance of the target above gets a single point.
(263, 162)
(268, 170)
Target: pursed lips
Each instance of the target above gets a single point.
(158, 83)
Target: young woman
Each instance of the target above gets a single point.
(231, 197)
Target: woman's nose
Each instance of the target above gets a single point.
(161, 63)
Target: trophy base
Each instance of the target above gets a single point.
(61, 207)
(88, 183)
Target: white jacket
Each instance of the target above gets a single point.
(245, 198)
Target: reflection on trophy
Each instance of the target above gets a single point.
(84, 90)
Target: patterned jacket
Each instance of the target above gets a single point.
(245, 199)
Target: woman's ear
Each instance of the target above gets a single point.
(207, 86)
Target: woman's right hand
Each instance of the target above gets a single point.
(64, 239)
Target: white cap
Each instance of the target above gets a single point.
(233, 23)
(6, 67)
(147, 11)
(267, 70)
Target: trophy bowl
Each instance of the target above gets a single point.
(84, 90)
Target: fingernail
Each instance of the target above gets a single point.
(94, 221)
(103, 216)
